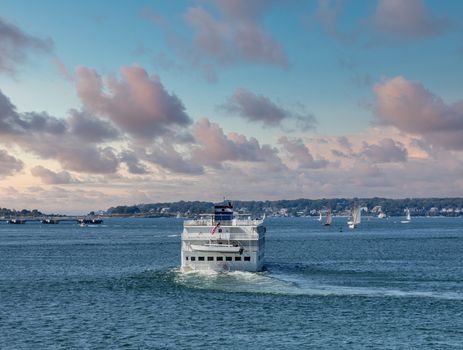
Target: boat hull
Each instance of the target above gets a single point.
(222, 266)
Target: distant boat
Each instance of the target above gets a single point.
(356, 217)
(329, 218)
(50, 221)
(382, 215)
(408, 218)
(86, 221)
(16, 221)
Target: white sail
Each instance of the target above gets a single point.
(408, 218)
(320, 217)
(356, 218)
(329, 218)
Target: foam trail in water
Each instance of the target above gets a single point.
(290, 284)
(236, 281)
(309, 287)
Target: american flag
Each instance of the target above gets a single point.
(215, 228)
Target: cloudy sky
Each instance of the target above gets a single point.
(107, 103)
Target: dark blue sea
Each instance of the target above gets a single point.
(386, 285)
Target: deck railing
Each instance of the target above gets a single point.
(214, 237)
(212, 222)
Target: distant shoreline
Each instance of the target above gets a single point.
(303, 207)
(296, 207)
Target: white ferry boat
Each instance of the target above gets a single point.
(223, 241)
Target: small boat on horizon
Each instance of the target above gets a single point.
(16, 221)
(329, 218)
(49, 221)
(94, 221)
(408, 217)
(356, 218)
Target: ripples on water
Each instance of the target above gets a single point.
(384, 286)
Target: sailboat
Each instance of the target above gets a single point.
(320, 217)
(356, 217)
(408, 218)
(329, 218)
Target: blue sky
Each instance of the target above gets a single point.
(300, 92)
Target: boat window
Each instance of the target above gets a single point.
(228, 258)
(247, 258)
(220, 230)
(237, 258)
(193, 258)
(200, 258)
(186, 258)
(210, 258)
(220, 258)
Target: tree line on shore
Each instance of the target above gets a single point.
(303, 207)
(296, 207)
(4, 212)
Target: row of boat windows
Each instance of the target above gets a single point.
(218, 258)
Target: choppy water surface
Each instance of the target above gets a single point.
(385, 285)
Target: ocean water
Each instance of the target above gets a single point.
(385, 285)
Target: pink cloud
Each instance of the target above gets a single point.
(9, 165)
(133, 163)
(167, 157)
(255, 107)
(138, 103)
(299, 153)
(89, 128)
(73, 155)
(344, 141)
(259, 108)
(50, 177)
(62, 69)
(393, 21)
(15, 46)
(410, 107)
(241, 9)
(386, 151)
(327, 14)
(402, 19)
(222, 33)
(64, 140)
(14, 123)
(215, 147)
(236, 36)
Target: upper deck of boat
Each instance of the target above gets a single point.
(210, 220)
